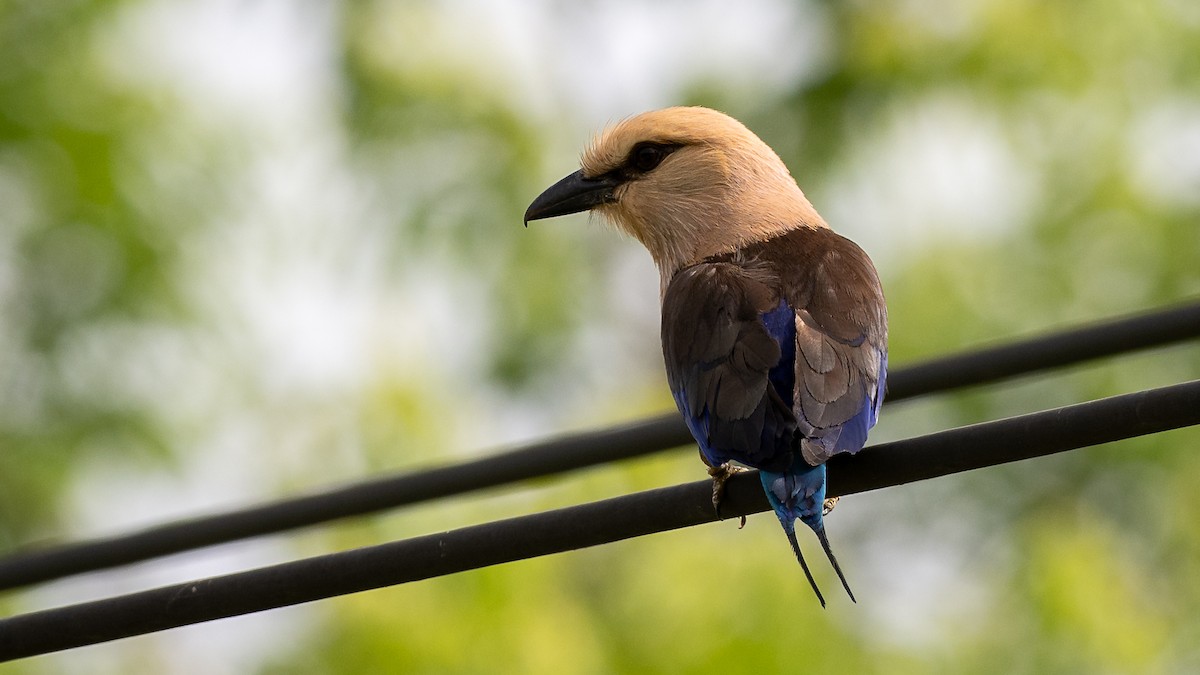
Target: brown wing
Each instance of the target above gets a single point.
(841, 339)
(718, 356)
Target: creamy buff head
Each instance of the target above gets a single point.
(718, 190)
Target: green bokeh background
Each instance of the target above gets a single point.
(213, 294)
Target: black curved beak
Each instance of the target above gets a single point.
(572, 194)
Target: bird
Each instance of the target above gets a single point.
(774, 327)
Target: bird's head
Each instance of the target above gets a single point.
(686, 182)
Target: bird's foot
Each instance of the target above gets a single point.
(828, 505)
(721, 474)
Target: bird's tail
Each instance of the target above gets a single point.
(832, 560)
(790, 529)
(799, 493)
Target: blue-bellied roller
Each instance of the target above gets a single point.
(774, 327)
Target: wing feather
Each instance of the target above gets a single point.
(841, 332)
(783, 341)
(719, 356)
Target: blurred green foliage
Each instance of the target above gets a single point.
(78, 251)
(1088, 562)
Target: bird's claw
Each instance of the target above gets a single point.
(721, 474)
(828, 505)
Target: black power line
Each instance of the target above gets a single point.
(602, 522)
(1076, 345)
(573, 452)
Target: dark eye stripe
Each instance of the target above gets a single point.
(645, 157)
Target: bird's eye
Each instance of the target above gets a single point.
(647, 157)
